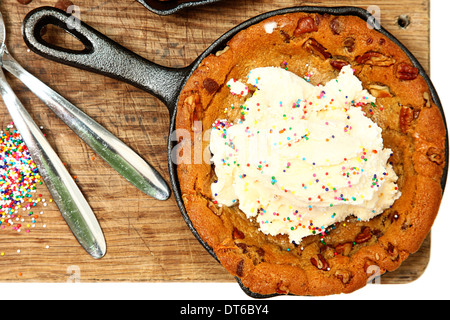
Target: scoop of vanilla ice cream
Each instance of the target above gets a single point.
(303, 157)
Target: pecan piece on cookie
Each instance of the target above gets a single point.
(364, 236)
(392, 250)
(406, 118)
(380, 90)
(216, 210)
(436, 155)
(315, 48)
(427, 99)
(338, 63)
(195, 108)
(344, 248)
(374, 58)
(405, 71)
(344, 275)
(320, 263)
(336, 26)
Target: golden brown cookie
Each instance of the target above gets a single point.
(343, 259)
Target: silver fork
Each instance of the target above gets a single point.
(66, 194)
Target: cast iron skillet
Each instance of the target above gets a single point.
(104, 56)
(171, 6)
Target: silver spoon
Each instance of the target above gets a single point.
(66, 194)
(116, 153)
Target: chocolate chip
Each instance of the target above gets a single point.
(210, 85)
(349, 44)
(305, 25)
(238, 234)
(242, 246)
(240, 268)
(261, 252)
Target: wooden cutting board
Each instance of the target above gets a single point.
(148, 241)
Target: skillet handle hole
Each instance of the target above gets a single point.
(60, 38)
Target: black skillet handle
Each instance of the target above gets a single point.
(101, 55)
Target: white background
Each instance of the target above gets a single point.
(433, 284)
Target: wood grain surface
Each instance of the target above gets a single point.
(148, 241)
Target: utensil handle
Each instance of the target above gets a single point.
(66, 194)
(116, 153)
(101, 55)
